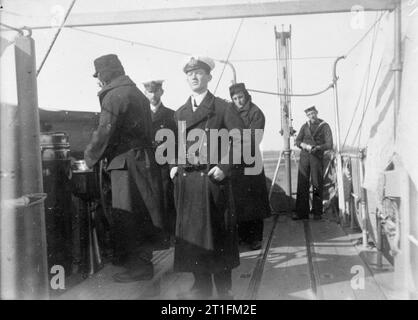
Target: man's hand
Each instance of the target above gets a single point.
(173, 172)
(306, 146)
(316, 148)
(217, 173)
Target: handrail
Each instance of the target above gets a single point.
(25, 201)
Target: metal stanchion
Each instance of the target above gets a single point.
(23, 263)
(379, 262)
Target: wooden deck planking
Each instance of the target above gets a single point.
(334, 257)
(286, 273)
(101, 285)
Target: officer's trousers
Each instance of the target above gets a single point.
(250, 231)
(310, 171)
(222, 280)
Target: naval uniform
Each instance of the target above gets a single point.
(311, 167)
(206, 235)
(163, 118)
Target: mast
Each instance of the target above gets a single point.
(284, 85)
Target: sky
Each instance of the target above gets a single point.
(66, 81)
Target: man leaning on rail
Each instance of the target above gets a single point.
(124, 137)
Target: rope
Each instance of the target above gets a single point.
(229, 54)
(368, 103)
(365, 35)
(132, 42)
(291, 59)
(294, 94)
(366, 79)
(55, 37)
(11, 28)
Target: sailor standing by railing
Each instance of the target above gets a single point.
(314, 138)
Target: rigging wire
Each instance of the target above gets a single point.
(349, 51)
(244, 60)
(274, 59)
(367, 105)
(365, 34)
(55, 37)
(355, 110)
(229, 54)
(364, 85)
(11, 28)
(294, 94)
(132, 42)
(368, 78)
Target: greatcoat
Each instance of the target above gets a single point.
(206, 232)
(163, 118)
(124, 138)
(250, 191)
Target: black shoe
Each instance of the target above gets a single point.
(317, 217)
(295, 216)
(144, 272)
(256, 245)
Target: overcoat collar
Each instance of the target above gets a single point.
(117, 82)
(159, 114)
(320, 122)
(202, 113)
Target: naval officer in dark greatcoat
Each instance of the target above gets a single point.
(314, 138)
(206, 237)
(162, 118)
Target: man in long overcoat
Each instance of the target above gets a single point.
(162, 118)
(250, 191)
(124, 138)
(314, 138)
(206, 237)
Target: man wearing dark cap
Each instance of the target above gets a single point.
(206, 238)
(250, 191)
(314, 138)
(124, 138)
(162, 118)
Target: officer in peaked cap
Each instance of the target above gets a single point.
(198, 62)
(206, 238)
(124, 138)
(314, 138)
(162, 119)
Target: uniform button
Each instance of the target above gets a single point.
(184, 174)
(162, 126)
(202, 174)
(206, 129)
